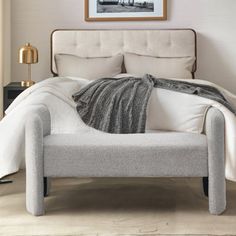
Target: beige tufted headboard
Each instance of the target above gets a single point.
(170, 43)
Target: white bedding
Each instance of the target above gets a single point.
(167, 110)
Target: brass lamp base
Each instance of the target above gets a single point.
(27, 83)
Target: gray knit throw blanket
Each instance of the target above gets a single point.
(115, 105)
(119, 105)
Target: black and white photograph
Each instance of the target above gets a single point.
(125, 10)
(112, 6)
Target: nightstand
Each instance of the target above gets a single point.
(11, 91)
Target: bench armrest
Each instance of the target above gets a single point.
(37, 126)
(215, 132)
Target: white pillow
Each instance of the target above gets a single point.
(174, 111)
(160, 67)
(88, 68)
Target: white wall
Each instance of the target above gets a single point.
(214, 20)
(1, 55)
(7, 41)
(5, 45)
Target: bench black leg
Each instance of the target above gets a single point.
(5, 181)
(45, 189)
(205, 185)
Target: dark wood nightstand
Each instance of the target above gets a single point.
(11, 91)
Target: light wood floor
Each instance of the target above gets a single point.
(116, 207)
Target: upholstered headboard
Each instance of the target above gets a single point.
(170, 43)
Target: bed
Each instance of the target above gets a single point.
(169, 148)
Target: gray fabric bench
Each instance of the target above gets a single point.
(158, 154)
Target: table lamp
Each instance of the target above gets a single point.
(28, 55)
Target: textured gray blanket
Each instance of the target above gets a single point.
(200, 90)
(115, 105)
(119, 105)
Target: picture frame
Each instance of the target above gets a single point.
(125, 10)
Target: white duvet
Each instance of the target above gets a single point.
(167, 110)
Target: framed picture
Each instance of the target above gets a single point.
(125, 10)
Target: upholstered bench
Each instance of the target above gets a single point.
(156, 154)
